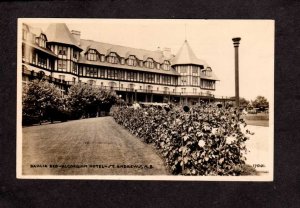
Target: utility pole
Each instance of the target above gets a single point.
(236, 43)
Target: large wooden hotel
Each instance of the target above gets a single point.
(63, 58)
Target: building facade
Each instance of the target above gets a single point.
(137, 75)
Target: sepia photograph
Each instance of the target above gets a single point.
(145, 99)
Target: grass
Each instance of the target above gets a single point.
(260, 119)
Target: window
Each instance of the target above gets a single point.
(131, 61)
(183, 90)
(102, 58)
(194, 90)
(166, 89)
(92, 55)
(207, 72)
(158, 66)
(150, 78)
(121, 86)
(149, 63)
(132, 76)
(74, 68)
(90, 71)
(102, 73)
(141, 63)
(194, 81)
(42, 61)
(80, 71)
(122, 74)
(75, 54)
(42, 41)
(112, 58)
(141, 75)
(62, 50)
(166, 65)
(51, 64)
(166, 80)
(33, 58)
(140, 87)
(194, 69)
(122, 61)
(62, 65)
(183, 80)
(208, 84)
(183, 69)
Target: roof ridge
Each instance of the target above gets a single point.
(121, 46)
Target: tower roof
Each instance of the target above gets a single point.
(60, 33)
(186, 55)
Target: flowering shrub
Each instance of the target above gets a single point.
(207, 140)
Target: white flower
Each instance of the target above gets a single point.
(214, 130)
(201, 143)
(229, 140)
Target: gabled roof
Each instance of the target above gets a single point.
(123, 51)
(186, 55)
(59, 33)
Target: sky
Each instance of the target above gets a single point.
(211, 40)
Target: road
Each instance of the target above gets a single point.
(96, 146)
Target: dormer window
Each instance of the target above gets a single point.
(62, 50)
(131, 61)
(102, 58)
(166, 65)
(149, 63)
(122, 61)
(112, 58)
(158, 66)
(42, 42)
(207, 72)
(92, 55)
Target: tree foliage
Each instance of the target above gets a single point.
(260, 102)
(88, 100)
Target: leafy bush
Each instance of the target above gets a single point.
(207, 140)
(40, 101)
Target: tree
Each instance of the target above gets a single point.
(260, 102)
(88, 100)
(41, 100)
(243, 102)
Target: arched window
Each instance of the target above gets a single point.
(112, 58)
(92, 55)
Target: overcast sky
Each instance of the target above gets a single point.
(211, 40)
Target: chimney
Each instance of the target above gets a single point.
(236, 43)
(76, 35)
(167, 52)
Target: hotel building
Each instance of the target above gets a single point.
(63, 58)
